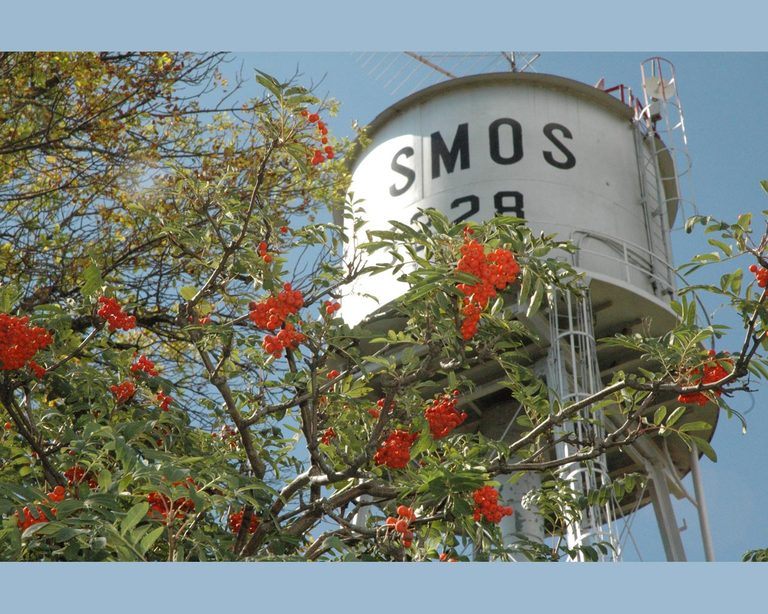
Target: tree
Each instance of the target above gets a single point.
(176, 381)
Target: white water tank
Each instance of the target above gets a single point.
(564, 156)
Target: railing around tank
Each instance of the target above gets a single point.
(631, 257)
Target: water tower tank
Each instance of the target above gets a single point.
(568, 158)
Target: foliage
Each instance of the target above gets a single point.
(187, 436)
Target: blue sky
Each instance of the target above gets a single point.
(722, 95)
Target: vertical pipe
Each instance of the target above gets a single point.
(701, 505)
(665, 514)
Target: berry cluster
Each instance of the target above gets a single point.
(400, 524)
(761, 275)
(710, 371)
(29, 519)
(266, 257)
(331, 307)
(443, 416)
(161, 505)
(495, 270)
(163, 400)
(57, 495)
(146, 365)
(113, 313)
(327, 435)
(395, 452)
(288, 338)
(447, 558)
(236, 520)
(77, 474)
(123, 392)
(486, 504)
(333, 374)
(272, 312)
(318, 156)
(19, 342)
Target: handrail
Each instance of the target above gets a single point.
(627, 250)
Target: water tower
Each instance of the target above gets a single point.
(593, 165)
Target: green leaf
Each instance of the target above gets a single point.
(150, 538)
(538, 294)
(187, 293)
(764, 185)
(675, 415)
(659, 414)
(134, 516)
(423, 444)
(710, 257)
(8, 297)
(736, 278)
(705, 448)
(269, 83)
(724, 247)
(692, 221)
(745, 219)
(699, 425)
(92, 281)
(105, 479)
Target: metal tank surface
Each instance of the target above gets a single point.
(560, 154)
(574, 161)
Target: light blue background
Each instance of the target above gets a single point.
(728, 144)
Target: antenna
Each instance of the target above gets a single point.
(404, 73)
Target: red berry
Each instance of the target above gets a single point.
(124, 392)
(405, 512)
(443, 416)
(486, 505)
(19, 342)
(495, 270)
(395, 452)
(112, 312)
(329, 434)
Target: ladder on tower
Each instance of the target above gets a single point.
(574, 375)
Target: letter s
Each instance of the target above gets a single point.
(570, 159)
(406, 172)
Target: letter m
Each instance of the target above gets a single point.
(440, 151)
